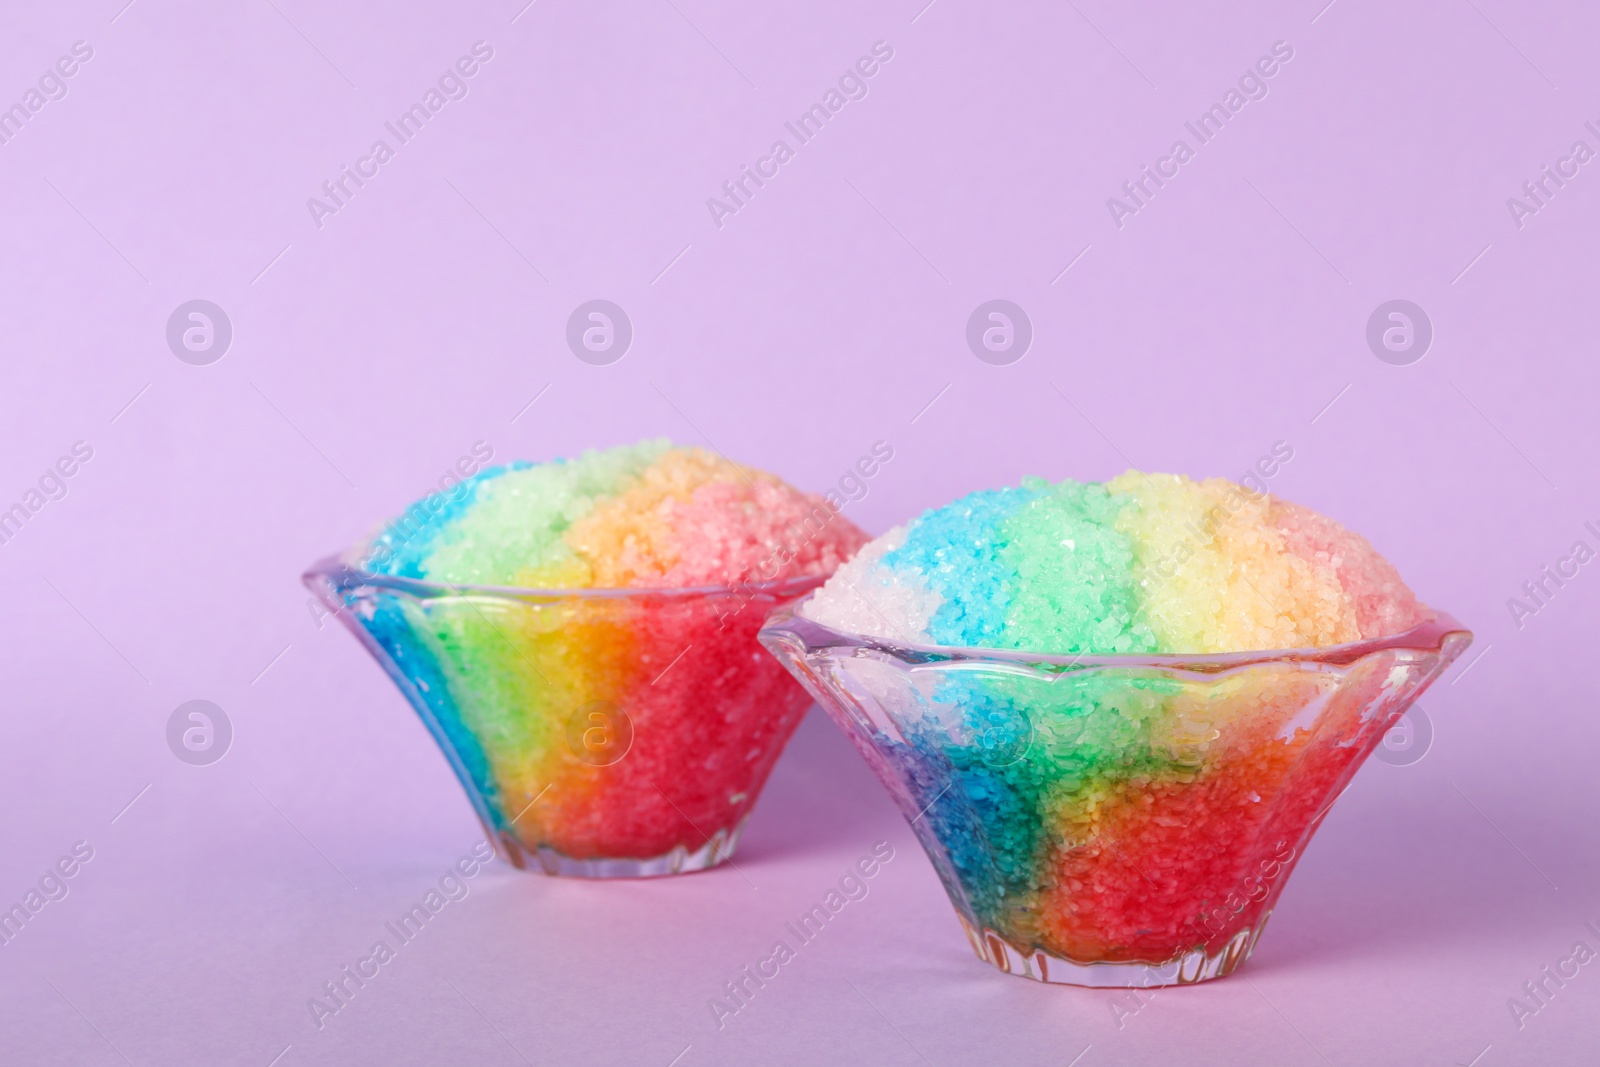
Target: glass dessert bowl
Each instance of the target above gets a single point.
(601, 733)
(1113, 820)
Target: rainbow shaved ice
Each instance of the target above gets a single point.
(1144, 563)
(650, 515)
(1132, 811)
(601, 733)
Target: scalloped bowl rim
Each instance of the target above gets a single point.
(1433, 634)
(341, 575)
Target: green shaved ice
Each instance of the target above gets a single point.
(1074, 590)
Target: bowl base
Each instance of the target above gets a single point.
(679, 860)
(1191, 967)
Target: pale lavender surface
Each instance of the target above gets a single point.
(1225, 316)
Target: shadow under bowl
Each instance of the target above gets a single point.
(1124, 820)
(599, 733)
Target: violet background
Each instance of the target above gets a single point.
(1227, 315)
